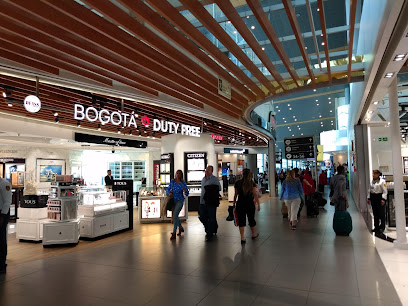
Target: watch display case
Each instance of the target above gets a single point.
(166, 169)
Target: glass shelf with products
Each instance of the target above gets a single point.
(101, 202)
(115, 168)
(128, 170)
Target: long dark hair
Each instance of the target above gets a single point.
(247, 181)
(182, 176)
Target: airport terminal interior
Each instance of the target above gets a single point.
(203, 152)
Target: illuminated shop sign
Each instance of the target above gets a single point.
(236, 151)
(119, 118)
(217, 137)
(111, 141)
(32, 104)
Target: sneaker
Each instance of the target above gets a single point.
(209, 237)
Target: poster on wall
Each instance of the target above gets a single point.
(48, 172)
(47, 169)
(151, 209)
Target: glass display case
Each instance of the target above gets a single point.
(128, 170)
(390, 209)
(166, 169)
(92, 203)
(152, 191)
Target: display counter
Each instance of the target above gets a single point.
(151, 210)
(102, 212)
(390, 209)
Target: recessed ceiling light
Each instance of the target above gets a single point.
(285, 121)
(263, 49)
(317, 100)
(322, 43)
(305, 48)
(389, 75)
(331, 111)
(301, 134)
(278, 110)
(10, 104)
(295, 119)
(247, 16)
(400, 57)
(290, 108)
(367, 119)
(375, 102)
(293, 135)
(294, 116)
(283, 118)
(320, 116)
(317, 104)
(314, 89)
(370, 112)
(253, 27)
(329, 98)
(228, 21)
(329, 102)
(277, 106)
(318, 9)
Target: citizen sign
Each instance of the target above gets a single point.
(32, 104)
(195, 155)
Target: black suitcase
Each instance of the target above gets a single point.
(318, 197)
(312, 208)
(321, 188)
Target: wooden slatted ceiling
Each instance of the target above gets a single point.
(142, 11)
(290, 12)
(266, 25)
(193, 77)
(243, 30)
(353, 8)
(172, 14)
(206, 19)
(61, 100)
(324, 32)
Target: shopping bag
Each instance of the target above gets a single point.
(236, 217)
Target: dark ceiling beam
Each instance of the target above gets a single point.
(177, 19)
(353, 9)
(312, 27)
(325, 38)
(202, 14)
(267, 27)
(246, 34)
(290, 12)
(127, 58)
(145, 13)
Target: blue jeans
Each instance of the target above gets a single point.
(178, 205)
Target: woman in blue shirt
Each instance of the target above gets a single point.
(291, 194)
(177, 189)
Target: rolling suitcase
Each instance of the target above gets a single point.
(312, 208)
(342, 223)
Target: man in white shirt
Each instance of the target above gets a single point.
(377, 197)
(5, 202)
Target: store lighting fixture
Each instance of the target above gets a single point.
(400, 57)
(118, 130)
(322, 43)
(253, 27)
(317, 104)
(247, 17)
(55, 114)
(57, 119)
(4, 94)
(375, 102)
(219, 126)
(370, 112)
(278, 110)
(317, 100)
(301, 134)
(331, 111)
(367, 119)
(290, 108)
(305, 48)
(329, 102)
(10, 104)
(78, 123)
(314, 89)
(99, 127)
(389, 75)
(320, 116)
(288, 104)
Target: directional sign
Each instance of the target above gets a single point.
(299, 148)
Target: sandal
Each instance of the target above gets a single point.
(254, 237)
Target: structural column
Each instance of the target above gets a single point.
(401, 241)
(271, 167)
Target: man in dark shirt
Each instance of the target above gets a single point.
(109, 179)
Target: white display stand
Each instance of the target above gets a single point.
(231, 193)
(102, 213)
(29, 225)
(60, 232)
(92, 227)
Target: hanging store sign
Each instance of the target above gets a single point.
(236, 151)
(119, 118)
(224, 88)
(111, 141)
(299, 148)
(217, 137)
(32, 104)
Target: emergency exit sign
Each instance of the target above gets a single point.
(383, 139)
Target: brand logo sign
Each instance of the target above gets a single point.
(236, 151)
(119, 118)
(217, 137)
(196, 155)
(111, 141)
(32, 104)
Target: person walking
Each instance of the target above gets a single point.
(209, 201)
(338, 190)
(245, 191)
(177, 189)
(377, 198)
(5, 202)
(292, 194)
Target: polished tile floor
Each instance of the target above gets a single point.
(309, 266)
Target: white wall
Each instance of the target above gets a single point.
(178, 144)
(381, 151)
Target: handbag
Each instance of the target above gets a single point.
(170, 203)
(230, 213)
